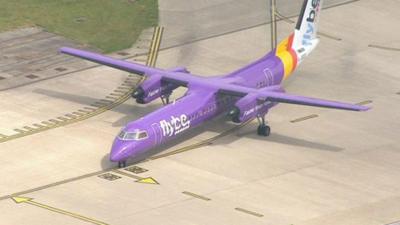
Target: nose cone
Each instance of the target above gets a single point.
(121, 150)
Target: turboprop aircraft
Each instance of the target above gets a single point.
(242, 95)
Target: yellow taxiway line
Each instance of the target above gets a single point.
(26, 200)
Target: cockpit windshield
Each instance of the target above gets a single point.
(133, 135)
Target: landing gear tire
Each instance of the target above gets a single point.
(264, 130)
(121, 164)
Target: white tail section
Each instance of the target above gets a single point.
(305, 35)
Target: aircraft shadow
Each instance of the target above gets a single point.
(132, 112)
(287, 140)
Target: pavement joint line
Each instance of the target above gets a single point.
(196, 196)
(304, 118)
(384, 47)
(249, 212)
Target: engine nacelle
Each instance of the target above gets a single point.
(152, 88)
(248, 108)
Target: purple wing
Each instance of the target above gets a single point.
(300, 100)
(108, 61)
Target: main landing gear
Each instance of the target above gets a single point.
(121, 164)
(263, 129)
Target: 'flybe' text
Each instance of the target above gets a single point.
(310, 25)
(175, 125)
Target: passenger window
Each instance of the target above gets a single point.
(142, 135)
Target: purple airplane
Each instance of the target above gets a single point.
(245, 94)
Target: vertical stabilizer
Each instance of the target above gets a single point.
(305, 35)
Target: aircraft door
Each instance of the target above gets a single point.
(157, 133)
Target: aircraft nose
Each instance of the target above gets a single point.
(121, 150)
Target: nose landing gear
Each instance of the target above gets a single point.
(263, 129)
(165, 99)
(121, 164)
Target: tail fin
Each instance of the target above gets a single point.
(303, 41)
(305, 34)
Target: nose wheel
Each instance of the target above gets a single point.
(121, 164)
(263, 129)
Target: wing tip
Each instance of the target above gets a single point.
(365, 108)
(64, 50)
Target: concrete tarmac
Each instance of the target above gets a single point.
(330, 168)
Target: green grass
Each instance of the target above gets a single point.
(108, 25)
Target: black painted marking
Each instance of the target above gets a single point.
(304, 118)
(60, 69)
(136, 169)
(196, 196)
(123, 53)
(249, 212)
(109, 176)
(384, 47)
(31, 76)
